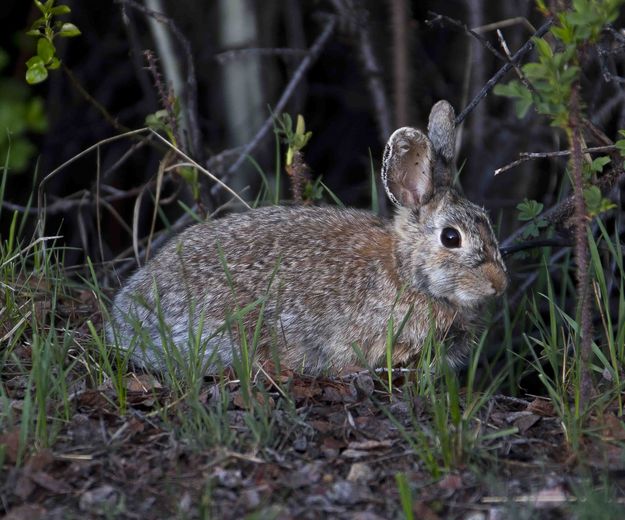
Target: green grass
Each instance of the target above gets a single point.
(33, 273)
(50, 352)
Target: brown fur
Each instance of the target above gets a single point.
(328, 280)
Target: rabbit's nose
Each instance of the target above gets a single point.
(497, 277)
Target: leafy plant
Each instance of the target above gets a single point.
(557, 69)
(46, 29)
(298, 171)
(296, 139)
(529, 211)
(20, 114)
(555, 75)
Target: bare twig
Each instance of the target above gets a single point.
(200, 168)
(501, 24)
(306, 63)
(533, 244)
(528, 156)
(94, 102)
(401, 69)
(40, 190)
(517, 69)
(442, 20)
(516, 58)
(227, 56)
(356, 17)
(373, 72)
(602, 53)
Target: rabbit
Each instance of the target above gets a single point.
(325, 282)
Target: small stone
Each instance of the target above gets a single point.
(102, 498)
(251, 498)
(300, 444)
(363, 383)
(360, 471)
(228, 478)
(475, 515)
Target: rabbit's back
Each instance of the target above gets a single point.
(325, 279)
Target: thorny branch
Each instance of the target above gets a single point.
(191, 102)
(581, 247)
(166, 97)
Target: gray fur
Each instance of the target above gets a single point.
(325, 278)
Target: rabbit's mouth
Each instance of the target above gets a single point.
(468, 290)
(469, 297)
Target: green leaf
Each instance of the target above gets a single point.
(35, 116)
(69, 30)
(60, 9)
(38, 23)
(40, 6)
(157, 120)
(531, 231)
(620, 145)
(522, 106)
(592, 196)
(34, 32)
(529, 209)
(543, 48)
(512, 89)
(36, 74)
(598, 164)
(563, 33)
(54, 64)
(523, 97)
(45, 49)
(35, 60)
(595, 202)
(4, 59)
(300, 127)
(535, 71)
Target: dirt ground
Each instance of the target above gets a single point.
(332, 449)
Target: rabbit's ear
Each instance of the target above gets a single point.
(442, 134)
(407, 168)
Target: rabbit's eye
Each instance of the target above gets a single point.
(450, 237)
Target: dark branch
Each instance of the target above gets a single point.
(441, 19)
(298, 75)
(533, 244)
(516, 58)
